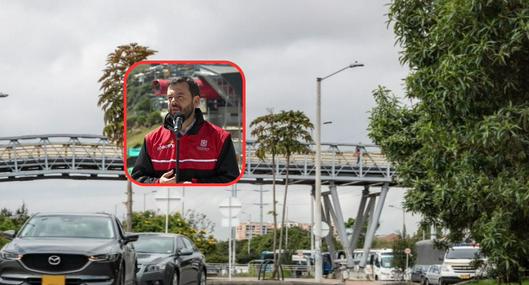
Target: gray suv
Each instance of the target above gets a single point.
(69, 249)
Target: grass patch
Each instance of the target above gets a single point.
(136, 135)
(494, 282)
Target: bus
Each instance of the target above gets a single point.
(379, 264)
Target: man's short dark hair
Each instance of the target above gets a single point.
(193, 86)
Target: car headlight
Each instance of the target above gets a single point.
(446, 268)
(104, 257)
(10, 255)
(155, 267)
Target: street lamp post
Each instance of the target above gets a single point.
(145, 198)
(317, 196)
(403, 219)
(250, 226)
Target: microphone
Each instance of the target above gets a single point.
(178, 119)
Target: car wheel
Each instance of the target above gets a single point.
(202, 277)
(175, 279)
(441, 281)
(426, 282)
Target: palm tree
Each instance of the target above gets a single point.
(294, 137)
(265, 130)
(111, 98)
(285, 133)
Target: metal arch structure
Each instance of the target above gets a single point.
(67, 156)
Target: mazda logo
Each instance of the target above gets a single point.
(54, 260)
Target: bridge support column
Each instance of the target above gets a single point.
(327, 215)
(340, 223)
(373, 224)
(359, 220)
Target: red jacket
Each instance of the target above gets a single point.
(207, 154)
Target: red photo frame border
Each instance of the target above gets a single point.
(243, 109)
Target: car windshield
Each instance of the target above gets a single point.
(463, 253)
(386, 261)
(69, 226)
(154, 244)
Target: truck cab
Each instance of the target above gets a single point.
(459, 263)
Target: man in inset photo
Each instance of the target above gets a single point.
(206, 152)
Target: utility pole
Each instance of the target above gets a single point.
(261, 204)
(129, 206)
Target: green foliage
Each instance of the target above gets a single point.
(462, 145)
(148, 221)
(10, 220)
(111, 97)
(399, 257)
(297, 239)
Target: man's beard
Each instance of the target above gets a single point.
(188, 111)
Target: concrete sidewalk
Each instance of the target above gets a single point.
(293, 281)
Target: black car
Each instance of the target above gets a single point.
(169, 259)
(69, 249)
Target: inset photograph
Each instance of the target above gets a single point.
(184, 123)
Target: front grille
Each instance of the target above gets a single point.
(464, 268)
(68, 262)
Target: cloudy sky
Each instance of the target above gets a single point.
(53, 53)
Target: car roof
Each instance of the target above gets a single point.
(73, 214)
(159, 234)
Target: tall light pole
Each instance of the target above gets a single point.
(145, 198)
(403, 219)
(250, 226)
(168, 200)
(317, 196)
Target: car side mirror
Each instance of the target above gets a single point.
(441, 259)
(9, 234)
(184, 251)
(131, 238)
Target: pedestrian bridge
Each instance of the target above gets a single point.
(78, 156)
(72, 156)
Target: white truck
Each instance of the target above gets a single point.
(379, 264)
(458, 264)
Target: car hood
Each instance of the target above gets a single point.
(151, 258)
(83, 246)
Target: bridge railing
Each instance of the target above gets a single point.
(28, 157)
(59, 154)
(339, 161)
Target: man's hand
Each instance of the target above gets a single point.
(168, 178)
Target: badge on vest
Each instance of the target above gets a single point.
(203, 145)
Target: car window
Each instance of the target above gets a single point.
(154, 244)
(188, 244)
(179, 244)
